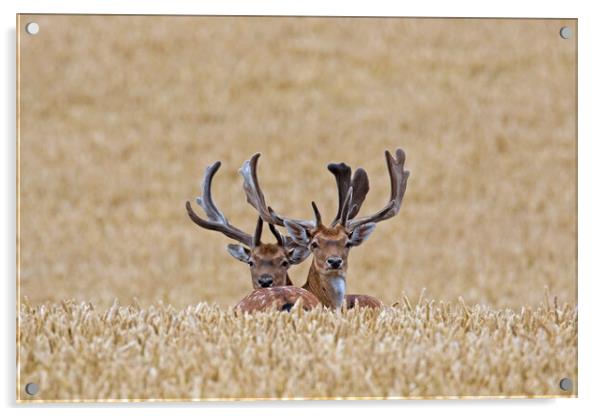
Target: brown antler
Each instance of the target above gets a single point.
(351, 192)
(317, 214)
(360, 185)
(278, 236)
(257, 235)
(399, 179)
(216, 220)
(346, 207)
(257, 200)
(342, 174)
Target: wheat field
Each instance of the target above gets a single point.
(427, 350)
(120, 115)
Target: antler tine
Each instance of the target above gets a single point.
(255, 196)
(258, 231)
(276, 234)
(346, 207)
(316, 214)
(399, 179)
(205, 200)
(253, 191)
(360, 184)
(342, 175)
(217, 221)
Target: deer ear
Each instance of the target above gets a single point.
(297, 254)
(297, 232)
(361, 234)
(239, 252)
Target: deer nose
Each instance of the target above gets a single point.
(265, 280)
(334, 262)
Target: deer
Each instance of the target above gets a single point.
(330, 244)
(281, 298)
(268, 262)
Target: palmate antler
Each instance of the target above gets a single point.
(257, 200)
(217, 221)
(360, 185)
(351, 193)
(399, 181)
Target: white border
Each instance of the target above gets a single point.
(590, 206)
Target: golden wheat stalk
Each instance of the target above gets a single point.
(74, 351)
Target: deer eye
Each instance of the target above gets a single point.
(251, 263)
(314, 245)
(284, 263)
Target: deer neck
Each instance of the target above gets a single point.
(331, 297)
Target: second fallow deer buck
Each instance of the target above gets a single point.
(268, 263)
(330, 244)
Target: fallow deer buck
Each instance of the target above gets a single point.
(330, 245)
(268, 263)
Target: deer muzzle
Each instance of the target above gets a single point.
(334, 262)
(265, 280)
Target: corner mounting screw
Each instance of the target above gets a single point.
(32, 389)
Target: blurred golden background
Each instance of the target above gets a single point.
(120, 115)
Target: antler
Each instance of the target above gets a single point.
(346, 207)
(399, 180)
(351, 193)
(342, 174)
(257, 200)
(360, 185)
(257, 235)
(216, 220)
(278, 236)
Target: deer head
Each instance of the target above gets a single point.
(330, 244)
(268, 263)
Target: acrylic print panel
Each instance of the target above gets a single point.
(468, 286)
